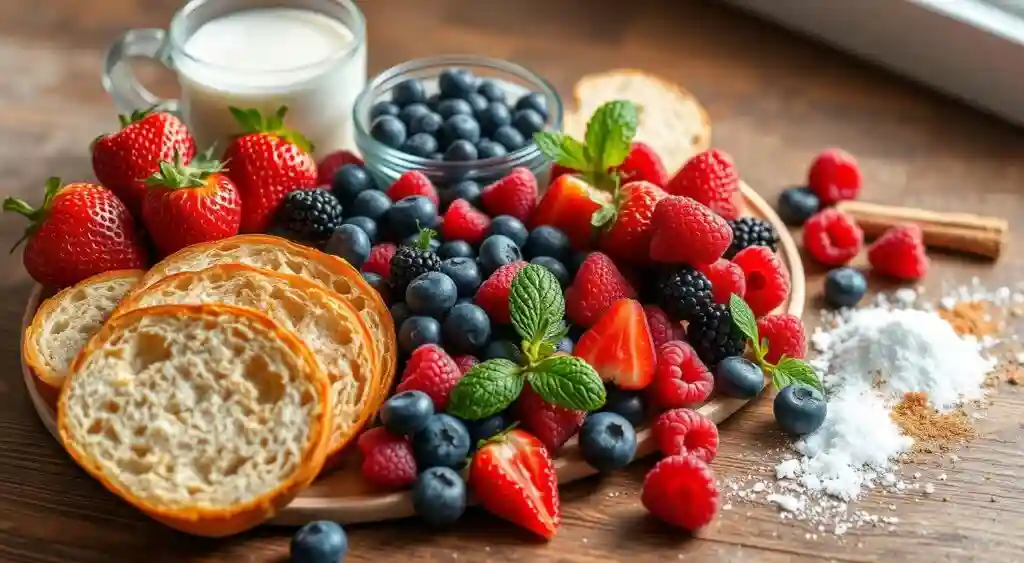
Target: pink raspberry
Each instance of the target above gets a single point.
(680, 378)
(430, 369)
(686, 431)
(785, 335)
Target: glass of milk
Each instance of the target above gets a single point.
(309, 55)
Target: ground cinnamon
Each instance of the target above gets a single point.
(931, 430)
(971, 318)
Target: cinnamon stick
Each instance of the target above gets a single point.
(963, 232)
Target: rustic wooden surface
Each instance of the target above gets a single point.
(775, 101)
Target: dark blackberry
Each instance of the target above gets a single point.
(748, 231)
(411, 261)
(311, 214)
(684, 292)
(714, 336)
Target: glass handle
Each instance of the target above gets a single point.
(118, 78)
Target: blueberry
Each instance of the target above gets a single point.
(460, 126)
(477, 102)
(409, 91)
(417, 331)
(509, 137)
(399, 312)
(466, 329)
(565, 345)
(439, 496)
(627, 404)
(456, 83)
(844, 287)
(494, 116)
(489, 149)
(369, 226)
(443, 442)
(454, 106)
(389, 130)
(407, 215)
(378, 283)
(414, 240)
(431, 294)
(528, 122)
(576, 260)
(533, 101)
(465, 273)
(796, 205)
(350, 181)
(607, 441)
(429, 123)
(412, 112)
(421, 144)
(738, 377)
(456, 249)
(351, 243)
(799, 409)
(466, 189)
(546, 240)
(555, 267)
(575, 332)
(486, 428)
(510, 227)
(406, 413)
(502, 349)
(436, 156)
(496, 251)
(319, 542)
(372, 204)
(383, 108)
(460, 151)
(491, 90)
(433, 101)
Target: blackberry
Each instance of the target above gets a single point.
(411, 261)
(748, 231)
(714, 336)
(311, 214)
(684, 292)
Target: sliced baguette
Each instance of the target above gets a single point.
(64, 323)
(327, 323)
(208, 418)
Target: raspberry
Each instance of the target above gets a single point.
(834, 176)
(785, 334)
(680, 379)
(373, 437)
(552, 425)
(413, 183)
(726, 279)
(462, 221)
(899, 253)
(767, 281)
(515, 195)
(710, 178)
(598, 284)
(832, 237)
(379, 260)
(330, 164)
(493, 294)
(686, 431)
(388, 460)
(681, 491)
(430, 369)
(465, 362)
(687, 232)
(662, 328)
(644, 164)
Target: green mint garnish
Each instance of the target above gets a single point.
(563, 149)
(608, 140)
(488, 388)
(567, 381)
(786, 371)
(536, 303)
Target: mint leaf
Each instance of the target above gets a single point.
(488, 388)
(562, 149)
(536, 302)
(791, 370)
(557, 331)
(743, 317)
(569, 382)
(610, 133)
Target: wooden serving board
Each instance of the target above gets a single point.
(343, 496)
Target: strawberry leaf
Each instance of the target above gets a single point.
(488, 388)
(604, 216)
(610, 134)
(568, 382)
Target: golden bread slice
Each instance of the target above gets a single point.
(326, 322)
(208, 418)
(65, 322)
(277, 254)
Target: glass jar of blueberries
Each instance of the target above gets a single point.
(455, 118)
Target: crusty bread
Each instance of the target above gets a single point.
(331, 328)
(672, 120)
(280, 255)
(209, 418)
(65, 322)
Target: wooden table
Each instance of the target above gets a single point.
(775, 101)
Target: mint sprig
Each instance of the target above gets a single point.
(784, 372)
(606, 144)
(537, 308)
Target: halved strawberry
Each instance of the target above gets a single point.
(568, 205)
(514, 478)
(620, 346)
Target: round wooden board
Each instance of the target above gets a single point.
(342, 495)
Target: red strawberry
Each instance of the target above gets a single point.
(557, 171)
(619, 346)
(492, 296)
(330, 164)
(899, 253)
(643, 165)
(680, 378)
(79, 231)
(568, 204)
(124, 159)
(598, 284)
(266, 163)
(710, 178)
(629, 228)
(430, 369)
(726, 279)
(462, 221)
(551, 424)
(681, 491)
(767, 280)
(186, 205)
(662, 327)
(388, 460)
(513, 477)
(515, 195)
(686, 232)
(413, 182)
(379, 260)
(785, 335)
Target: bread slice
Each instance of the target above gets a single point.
(65, 322)
(327, 323)
(672, 120)
(280, 255)
(208, 418)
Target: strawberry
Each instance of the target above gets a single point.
(620, 346)
(687, 232)
(79, 231)
(513, 477)
(568, 204)
(122, 160)
(515, 195)
(710, 178)
(629, 221)
(597, 285)
(189, 204)
(642, 165)
(267, 162)
(551, 424)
